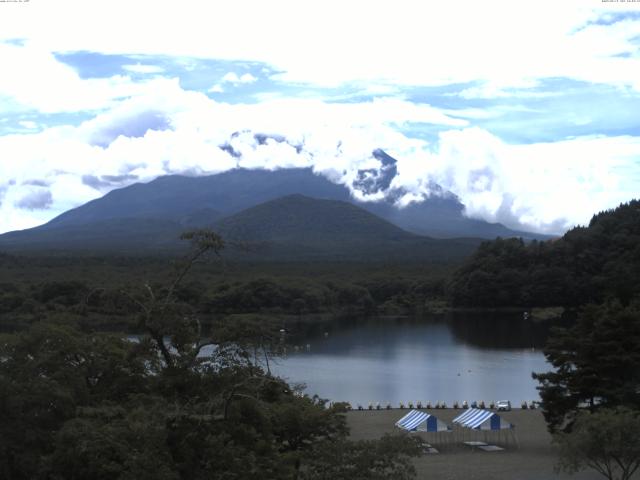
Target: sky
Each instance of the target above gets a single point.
(527, 111)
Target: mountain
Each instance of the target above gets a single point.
(151, 215)
(294, 227)
(308, 221)
(193, 201)
(184, 199)
(121, 235)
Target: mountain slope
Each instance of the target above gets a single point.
(117, 235)
(297, 227)
(309, 221)
(291, 228)
(191, 201)
(177, 197)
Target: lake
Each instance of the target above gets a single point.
(452, 358)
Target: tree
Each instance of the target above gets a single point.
(80, 404)
(46, 375)
(596, 364)
(162, 315)
(382, 459)
(606, 441)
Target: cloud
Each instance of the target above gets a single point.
(491, 59)
(166, 129)
(36, 200)
(232, 77)
(29, 124)
(543, 186)
(548, 187)
(411, 43)
(493, 91)
(140, 68)
(108, 182)
(34, 79)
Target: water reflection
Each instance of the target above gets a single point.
(500, 330)
(437, 359)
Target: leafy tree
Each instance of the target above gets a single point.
(596, 364)
(46, 375)
(606, 441)
(363, 460)
(587, 265)
(175, 404)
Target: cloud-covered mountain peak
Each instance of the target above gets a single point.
(374, 180)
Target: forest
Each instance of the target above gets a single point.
(76, 403)
(71, 383)
(587, 265)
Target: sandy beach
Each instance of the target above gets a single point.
(532, 458)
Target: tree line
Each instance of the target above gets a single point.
(587, 265)
(591, 398)
(175, 404)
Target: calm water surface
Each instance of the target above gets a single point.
(464, 357)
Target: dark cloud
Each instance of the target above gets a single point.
(94, 182)
(39, 200)
(119, 178)
(36, 183)
(262, 138)
(134, 126)
(238, 133)
(107, 181)
(225, 147)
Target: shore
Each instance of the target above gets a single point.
(533, 458)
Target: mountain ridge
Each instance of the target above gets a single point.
(290, 228)
(175, 197)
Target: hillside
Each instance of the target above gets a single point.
(291, 228)
(304, 220)
(198, 201)
(588, 264)
(295, 227)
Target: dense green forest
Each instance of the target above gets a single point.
(91, 289)
(595, 378)
(587, 265)
(68, 388)
(80, 404)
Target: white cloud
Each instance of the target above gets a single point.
(407, 43)
(232, 77)
(140, 68)
(142, 129)
(217, 88)
(488, 90)
(29, 124)
(33, 79)
(121, 143)
(546, 186)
